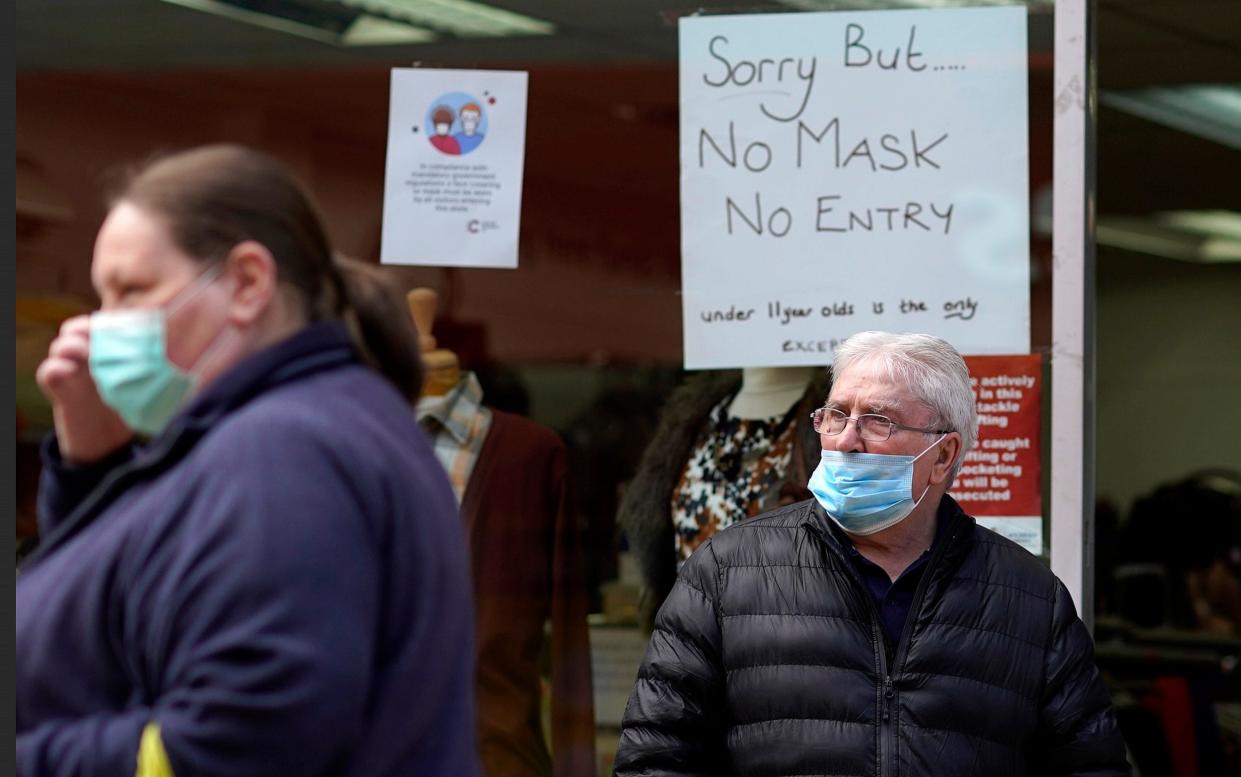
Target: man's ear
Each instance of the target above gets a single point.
(945, 456)
(253, 269)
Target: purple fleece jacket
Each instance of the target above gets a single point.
(279, 581)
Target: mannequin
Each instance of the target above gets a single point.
(509, 475)
(443, 371)
(768, 392)
(729, 445)
(741, 457)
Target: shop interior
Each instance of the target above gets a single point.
(585, 336)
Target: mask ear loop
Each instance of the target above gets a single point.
(918, 501)
(196, 369)
(932, 445)
(204, 280)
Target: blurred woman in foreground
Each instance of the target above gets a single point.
(250, 560)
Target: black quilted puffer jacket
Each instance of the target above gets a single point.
(768, 659)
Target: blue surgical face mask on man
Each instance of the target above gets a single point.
(866, 493)
(130, 366)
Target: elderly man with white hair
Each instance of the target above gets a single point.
(875, 629)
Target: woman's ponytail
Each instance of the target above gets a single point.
(379, 323)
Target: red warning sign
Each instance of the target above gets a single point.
(999, 478)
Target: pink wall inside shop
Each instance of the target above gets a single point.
(599, 260)
(599, 246)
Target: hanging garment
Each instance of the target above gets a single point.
(526, 558)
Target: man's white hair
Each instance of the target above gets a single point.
(929, 367)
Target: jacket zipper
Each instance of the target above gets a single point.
(884, 695)
(887, 700)
(886, 692)
(902, 647)
(915, 606)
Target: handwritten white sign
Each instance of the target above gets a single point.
(851, 171)
(452, 185)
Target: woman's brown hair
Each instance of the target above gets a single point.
(215, 197)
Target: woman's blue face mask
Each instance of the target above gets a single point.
(865, 493)
(129, 361)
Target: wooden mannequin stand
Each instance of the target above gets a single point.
(443, 370)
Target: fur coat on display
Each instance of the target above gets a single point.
(645, 512)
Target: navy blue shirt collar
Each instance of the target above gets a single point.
(893, 599)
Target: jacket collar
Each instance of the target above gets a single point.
(317, 347)
(953, 527)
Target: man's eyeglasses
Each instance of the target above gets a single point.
(870, 427)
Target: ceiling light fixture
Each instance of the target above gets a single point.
(1211, 111)
(370, 30)
(316, 22)
(866, 5)
(462, 18)
(375, 22)
(1190, 236)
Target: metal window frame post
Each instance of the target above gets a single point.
(1073, 304)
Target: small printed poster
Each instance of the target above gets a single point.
(999, 482)
(452, 183)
